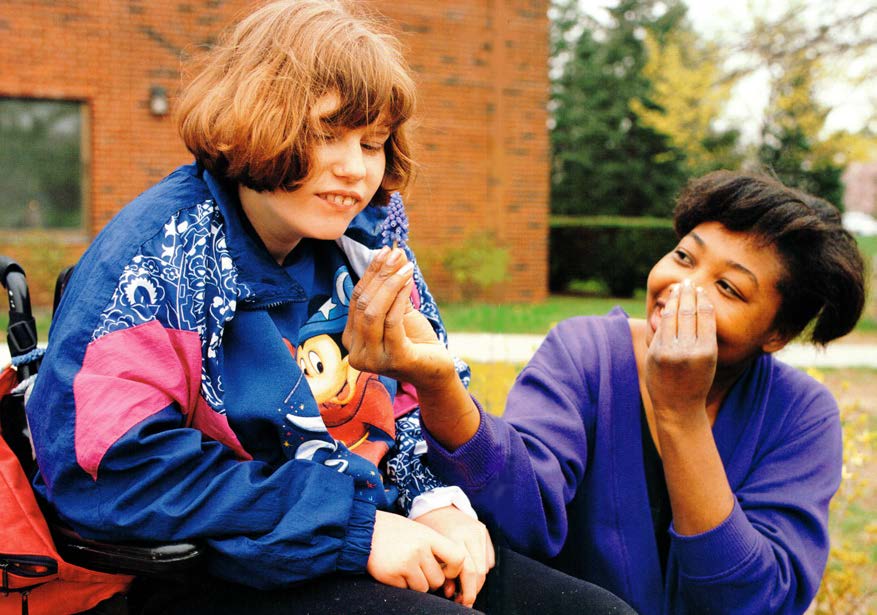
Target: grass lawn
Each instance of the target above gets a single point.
(539, 318)
(535, 318)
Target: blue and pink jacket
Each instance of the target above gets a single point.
(171, 404)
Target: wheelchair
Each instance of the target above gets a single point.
(154, 561)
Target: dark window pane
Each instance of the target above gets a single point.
(40, 164)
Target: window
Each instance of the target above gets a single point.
(41, 164)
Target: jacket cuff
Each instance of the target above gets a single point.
(441, 497)
(473, 464)
(358, 545)
(719, 550)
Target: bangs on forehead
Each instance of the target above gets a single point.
(372, 88)
(358, 109)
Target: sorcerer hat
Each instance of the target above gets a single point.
(331, 317)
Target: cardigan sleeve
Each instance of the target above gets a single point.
(521, 471)
(770, 553)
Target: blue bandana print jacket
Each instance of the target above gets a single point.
(129, 418)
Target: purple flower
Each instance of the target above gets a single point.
(395, 227)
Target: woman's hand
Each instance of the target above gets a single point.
(384, 334)
(680, 368)
(681, 360)
(411, 555)
(462, 529)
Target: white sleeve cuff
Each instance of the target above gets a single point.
(440, 497)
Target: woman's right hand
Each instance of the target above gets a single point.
(411, 555)
(681, 360)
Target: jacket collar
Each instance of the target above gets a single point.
(256, 268)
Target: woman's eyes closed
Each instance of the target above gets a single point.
(728, 288)
(686, 260)
(682, 256)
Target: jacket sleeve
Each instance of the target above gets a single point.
(770, 553)
(129, 450)
(521, 471)
(405, 467)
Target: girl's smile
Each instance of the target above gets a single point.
(347, 168)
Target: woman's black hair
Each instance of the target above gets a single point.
(824, 270)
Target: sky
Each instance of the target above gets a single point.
(853, 105)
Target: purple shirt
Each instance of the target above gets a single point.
(561, 477)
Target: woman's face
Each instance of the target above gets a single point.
(739, 277)
(347, 169)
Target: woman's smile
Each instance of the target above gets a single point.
(739, 277)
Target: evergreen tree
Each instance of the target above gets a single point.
(606, 160)
(791, 146)
(689, 95)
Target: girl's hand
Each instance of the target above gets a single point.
(384, 334)
(411, 555)
(681, 360)
(462, 529)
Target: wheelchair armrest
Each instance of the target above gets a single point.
(164, 560)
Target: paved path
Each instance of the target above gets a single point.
(489, 347)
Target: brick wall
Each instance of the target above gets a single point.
(481, 66)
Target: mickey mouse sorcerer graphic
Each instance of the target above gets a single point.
(357, 407)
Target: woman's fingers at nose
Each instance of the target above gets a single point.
(686, 328)
(706, 317)
(666, 332)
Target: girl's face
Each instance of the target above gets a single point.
(739, 277)
(347, 169)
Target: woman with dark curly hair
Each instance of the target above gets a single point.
(673, 460)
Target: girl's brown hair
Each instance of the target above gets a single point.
(247, 115)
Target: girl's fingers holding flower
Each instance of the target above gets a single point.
(394, 325)
(375, 265)
(362, 294)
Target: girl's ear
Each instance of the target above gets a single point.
(775, 342)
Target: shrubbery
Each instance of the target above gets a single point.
(617, 251)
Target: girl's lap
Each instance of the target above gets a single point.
(517, 585)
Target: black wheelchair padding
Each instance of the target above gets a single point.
(166, 560)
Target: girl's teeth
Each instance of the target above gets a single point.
(337, 199)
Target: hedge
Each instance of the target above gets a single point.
(618, 251)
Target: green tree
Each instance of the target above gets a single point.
(800, 48)
(689, 95)
(790, 138)
(605, 159)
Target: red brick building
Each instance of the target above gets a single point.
(483, 146)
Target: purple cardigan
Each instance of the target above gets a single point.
(561, 477)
